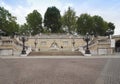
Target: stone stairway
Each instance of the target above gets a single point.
(10, 45)
(60, 53)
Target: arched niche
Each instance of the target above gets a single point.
(117, 46)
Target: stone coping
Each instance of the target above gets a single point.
(52, 57)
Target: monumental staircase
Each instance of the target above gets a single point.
(13, 46)
(58, 53)
(10, 46)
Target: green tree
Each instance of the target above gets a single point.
(99, 25)
(34, 20)
(111, 25)
(52, 19)
(69, 20)
(84, 24)
(8, 22)
(96, 24)
(25, 29)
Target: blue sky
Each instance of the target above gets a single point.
(108, 9)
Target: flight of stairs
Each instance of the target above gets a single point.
(60, 53)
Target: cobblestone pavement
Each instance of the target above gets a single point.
(60, 71)
(110, 73)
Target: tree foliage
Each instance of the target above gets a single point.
(25, 29)
(52, 19)
(111, 25)
(96, 24)
(84, 24)
(69, 20)
(34, 21)
(53, 22)
(99, 25)
(8, 22)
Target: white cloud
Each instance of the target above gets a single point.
(41, 5)
(19, 11)
(5, 5)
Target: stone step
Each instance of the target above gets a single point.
(55, 54)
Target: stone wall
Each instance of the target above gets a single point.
(100, 45)
(58, 43)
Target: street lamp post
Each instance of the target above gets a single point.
(73, 42)
(87, 39)
(23, 39)
(35, 44)
(109, 32)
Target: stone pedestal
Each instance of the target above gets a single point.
(73, 49)
(23, 55)
(36, 49)
(88, 55)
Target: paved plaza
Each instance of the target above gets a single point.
(69, 70)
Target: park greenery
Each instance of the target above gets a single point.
(8, 22)
(69, 20)
(53, 22)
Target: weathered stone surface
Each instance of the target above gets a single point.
(60, 71)
(50, 71)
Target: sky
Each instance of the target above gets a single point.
(108, 9)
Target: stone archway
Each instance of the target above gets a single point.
(117, 46)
